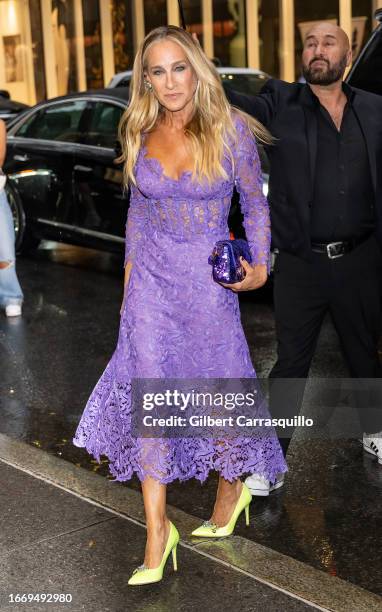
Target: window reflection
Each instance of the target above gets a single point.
(18, 57)
(60, 122)
(37, 50)
(155, 14)
(229, 29)
(192, 10)
(93, 46)
(103, 126)
(269, 34)
(122, 22)
(362, 24)
(64, 45)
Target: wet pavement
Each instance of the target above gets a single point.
(328, 513)
(33, 515)
(57, 544)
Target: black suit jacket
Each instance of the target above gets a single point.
(286, 109)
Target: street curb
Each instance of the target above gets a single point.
(283, 573)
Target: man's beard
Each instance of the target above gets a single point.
(324, 77)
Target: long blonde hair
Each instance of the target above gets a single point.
(210, 127)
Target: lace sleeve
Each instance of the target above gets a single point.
(254, 205)
(136, 222)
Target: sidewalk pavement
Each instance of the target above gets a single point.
(55, 542)
(68, 531)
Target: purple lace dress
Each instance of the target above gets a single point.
(178, 323)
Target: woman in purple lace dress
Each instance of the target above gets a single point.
(184, 149)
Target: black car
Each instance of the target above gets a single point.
(366, 72)
(10, 109)
(63, 182)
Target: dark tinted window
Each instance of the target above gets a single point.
(103, 127)
(124, 82)
(59, 122)
(368, 72)
(244, 83)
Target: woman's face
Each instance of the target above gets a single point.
(171, 75)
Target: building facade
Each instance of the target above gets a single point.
(53, 47)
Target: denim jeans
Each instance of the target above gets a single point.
(10, 290)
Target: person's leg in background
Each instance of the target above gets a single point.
(300, 302)
(11, 295)
(356, 309)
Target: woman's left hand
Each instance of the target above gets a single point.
(255, 277)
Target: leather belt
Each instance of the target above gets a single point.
(338, 249)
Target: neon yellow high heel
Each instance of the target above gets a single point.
(145, 575)
(210, 530)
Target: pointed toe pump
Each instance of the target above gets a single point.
(145, 575)
(210, 530)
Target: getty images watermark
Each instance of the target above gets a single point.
(213, 408)
(195, 400)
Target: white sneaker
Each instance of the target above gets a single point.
(13, 310)
(260, 486)
(373, 445)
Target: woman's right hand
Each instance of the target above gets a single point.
(128, 267)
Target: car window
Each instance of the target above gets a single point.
(125, 82)
(368, 72)
(245, 83)
(60, 122)
(103, 125)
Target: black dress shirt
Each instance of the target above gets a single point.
(343, 202)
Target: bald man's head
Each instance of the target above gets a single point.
(326, 54)
(330, 29)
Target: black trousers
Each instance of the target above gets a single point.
(350, 289)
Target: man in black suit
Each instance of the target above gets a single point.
(325, 196)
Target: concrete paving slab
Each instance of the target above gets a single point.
(93, 563)
(262, 563)
(30, 511)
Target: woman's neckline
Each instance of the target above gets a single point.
(158, 166)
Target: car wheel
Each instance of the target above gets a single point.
(24, 239)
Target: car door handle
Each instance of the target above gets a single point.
(21, 158)
(83, 168)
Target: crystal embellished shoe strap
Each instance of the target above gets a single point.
(210, 525)
(140, 568)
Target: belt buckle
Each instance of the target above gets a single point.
(333, 245)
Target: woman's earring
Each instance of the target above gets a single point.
(148, 86)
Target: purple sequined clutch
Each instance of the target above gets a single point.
(225, 260)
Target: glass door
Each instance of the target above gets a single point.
(16, 68)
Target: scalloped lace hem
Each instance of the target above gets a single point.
(104, 430)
